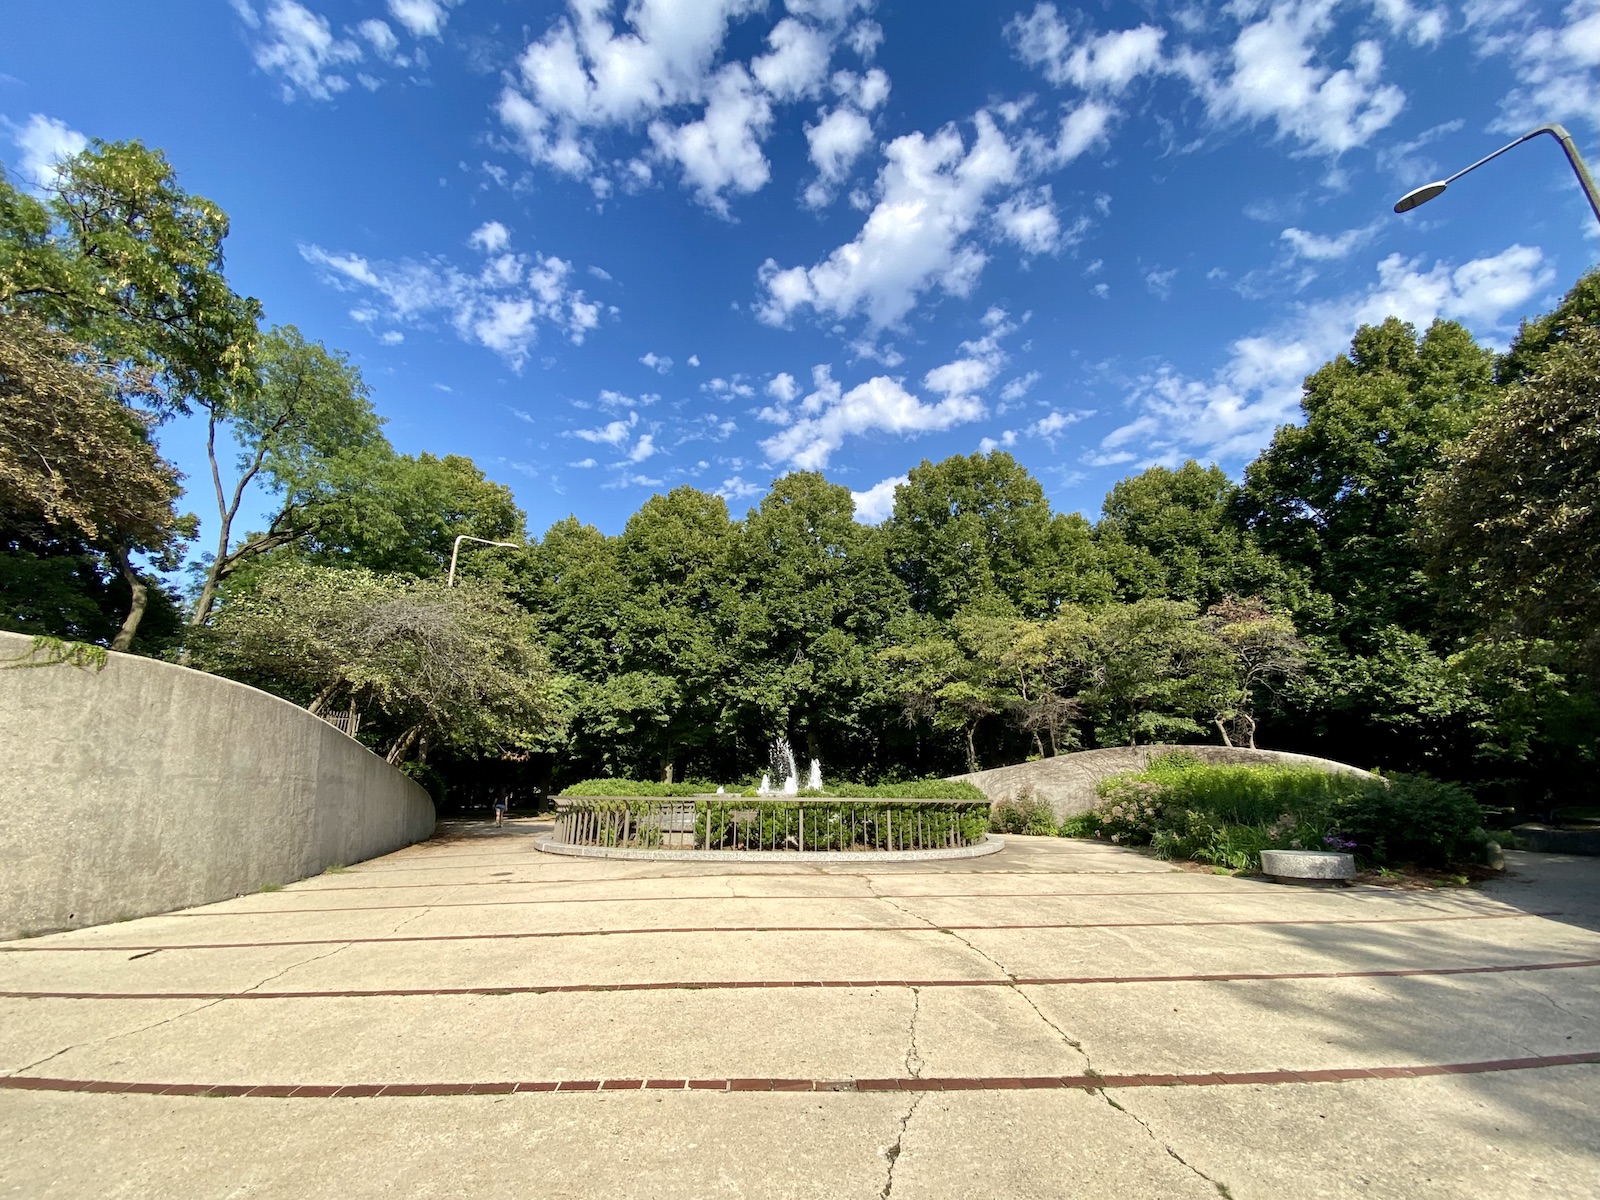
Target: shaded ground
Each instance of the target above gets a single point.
(1062, 1019)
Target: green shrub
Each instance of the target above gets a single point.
(1227, 815)
(1080, 825)
(913, 789)
(635, 787)
(1024, 814)
(916, 789)
(1414, 819)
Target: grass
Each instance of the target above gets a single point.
(272, 887)
(337, 869)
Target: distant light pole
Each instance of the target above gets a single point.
(456, 549)
(1428, 191)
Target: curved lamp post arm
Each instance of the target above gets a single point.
(1428, 191)
(456, 549)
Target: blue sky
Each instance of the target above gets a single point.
(608, 248)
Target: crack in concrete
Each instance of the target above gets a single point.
(893, 1152)
(914, 1063)
(1551, 1000)
(1222, 1188)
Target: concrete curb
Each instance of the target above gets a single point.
(991, 845)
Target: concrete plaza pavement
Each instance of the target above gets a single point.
(469, 1017)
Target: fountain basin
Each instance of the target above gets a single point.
(783, 828)
(1308, 866)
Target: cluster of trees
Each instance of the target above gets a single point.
(116, 316)
(1409, 577)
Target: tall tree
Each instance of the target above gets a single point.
(1515, 520)
(971, 527)
(1174, 535)
(76, 460)
(1337, 494)
(674, 556)
(122, 257)
(814, 598)
(306, 431)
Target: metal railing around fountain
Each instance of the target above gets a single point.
(800, 824)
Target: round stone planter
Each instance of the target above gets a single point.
(1308, 866)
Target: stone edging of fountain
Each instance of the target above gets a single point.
(990, 845)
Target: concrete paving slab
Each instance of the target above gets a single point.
(1512, 1136)
(960, 1070)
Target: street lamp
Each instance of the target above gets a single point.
(1428, 191)
(456, 549)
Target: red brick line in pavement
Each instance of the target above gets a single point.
(539, 989)
(923, 928)
(331, 908)
(960, 1083)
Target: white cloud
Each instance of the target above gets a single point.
(588, 76)
(300, 46)
(424, 18)
(737, 488)
(932, 192)
(42, 143)
(1421, 26)
(1323, 249)
(614, 434)
(797, 63)
(829, 415)
(499, 307)
(392, 337)
(1094, 62)
(864, 38)
(876, 504)
(583, 464)
(1160, 282)
(694, 360)
(659, 363)
(722, 150)
(382, 40)
(1049, 427)
(728, 389)
(1272, 73)
(1019, 387)
(1233, 414)
(644, 448)
(491, 237)
(1029, 219)
(866, 92)
(1080, 130)
(1554, 64)
(835, 142)
(783, 388)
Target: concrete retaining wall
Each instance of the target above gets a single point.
(1067, 782)
(147, 787)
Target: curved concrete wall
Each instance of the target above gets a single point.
(1067, 782)
(147, 787)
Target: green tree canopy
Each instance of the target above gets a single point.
(1515, 520)
(1336, 496)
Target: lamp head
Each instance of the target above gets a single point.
(1418, 196)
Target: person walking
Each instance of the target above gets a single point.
(500, 805)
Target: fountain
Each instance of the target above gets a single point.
(784, 768)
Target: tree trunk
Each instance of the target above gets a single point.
(972, 752)
(1249, 728)
(1222, 728)
(325, 697)
(136, 606)
(1054, 749)
(1038, 743)
(666, 770)
(402, 746)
